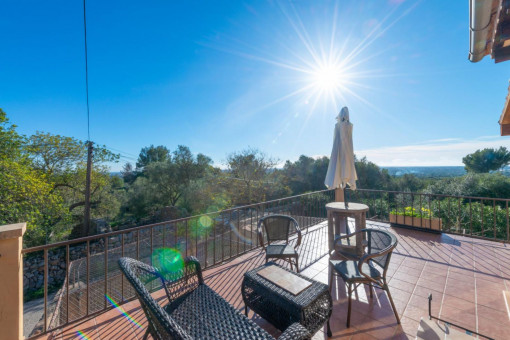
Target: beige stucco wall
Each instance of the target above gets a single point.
(11, 281)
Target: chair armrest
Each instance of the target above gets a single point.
(192, 267)
(298, 231)
(295, 332)
(260, 234)
(184, 280)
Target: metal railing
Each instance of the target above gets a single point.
(478, 217)
(81, 276)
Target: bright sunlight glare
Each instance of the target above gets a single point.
(327, 78)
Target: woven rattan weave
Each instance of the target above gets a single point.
(311, 308)
(194, 310)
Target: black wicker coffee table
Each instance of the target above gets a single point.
(311, 307)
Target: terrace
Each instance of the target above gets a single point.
(467, 274)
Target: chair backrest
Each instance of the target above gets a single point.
(161, 325)
(277, 227)
(380, 245)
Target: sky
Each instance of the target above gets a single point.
(222, 76)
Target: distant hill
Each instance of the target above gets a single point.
(431, 171)
(427, 171)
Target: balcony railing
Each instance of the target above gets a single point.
(479, 217)
(80, 278)
(77, 279)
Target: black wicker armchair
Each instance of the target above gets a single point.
(278, 228)
(370, 269)
(194, 310)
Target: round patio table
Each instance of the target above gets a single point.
(337, 211)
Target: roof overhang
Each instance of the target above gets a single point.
(489, 30)
(504, 120)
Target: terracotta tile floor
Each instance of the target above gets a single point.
(466, 277)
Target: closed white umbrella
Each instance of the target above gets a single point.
(341, 169)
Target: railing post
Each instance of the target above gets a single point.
(11, 280)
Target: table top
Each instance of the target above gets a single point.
(284, 279)
(353, 207)
(303, 299)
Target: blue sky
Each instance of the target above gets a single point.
(219, 76)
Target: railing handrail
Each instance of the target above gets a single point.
(148, 226)
(436, 195)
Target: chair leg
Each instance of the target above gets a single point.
(145, 336)
(291, 268)
(385, 287)
(297, 265)
(245, 310)
(371, 290)
(331, 280)
(349, 306)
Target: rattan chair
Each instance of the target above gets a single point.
(194, 311)
(277, 228)
(370, 269)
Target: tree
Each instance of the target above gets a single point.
(26, 195)
(487, 160)
(152, 154)
(55, 154)
(370, 176)
(11, 143)
(250, 176)
(305, 174)
(128, 173)
(165, 182)
(63, 161)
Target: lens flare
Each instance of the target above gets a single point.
(205, 221)
(82, 335)
(167, 260)
(237, 232)
(122, 311)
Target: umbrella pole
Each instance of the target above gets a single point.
(345, 199)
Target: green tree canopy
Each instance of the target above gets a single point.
(165, 182)
(250, 176)
(26, 196)
(152, 154)
(305, 174)
(487, 160)
(11, 143)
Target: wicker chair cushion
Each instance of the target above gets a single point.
(348, 270)
(283, 250)
(203, 314)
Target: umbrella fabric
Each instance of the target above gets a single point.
(341, 170)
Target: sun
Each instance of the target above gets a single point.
(327, 78)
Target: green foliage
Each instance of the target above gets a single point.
(164, 183)
(152, 154)
(487, 160)
(26, 196)
(11, 143)
(370, 176)
(413, 212)
(478, 185)
(306, 174)
(249, 177)
(128, 173)
(314, 205)
(55, 154)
